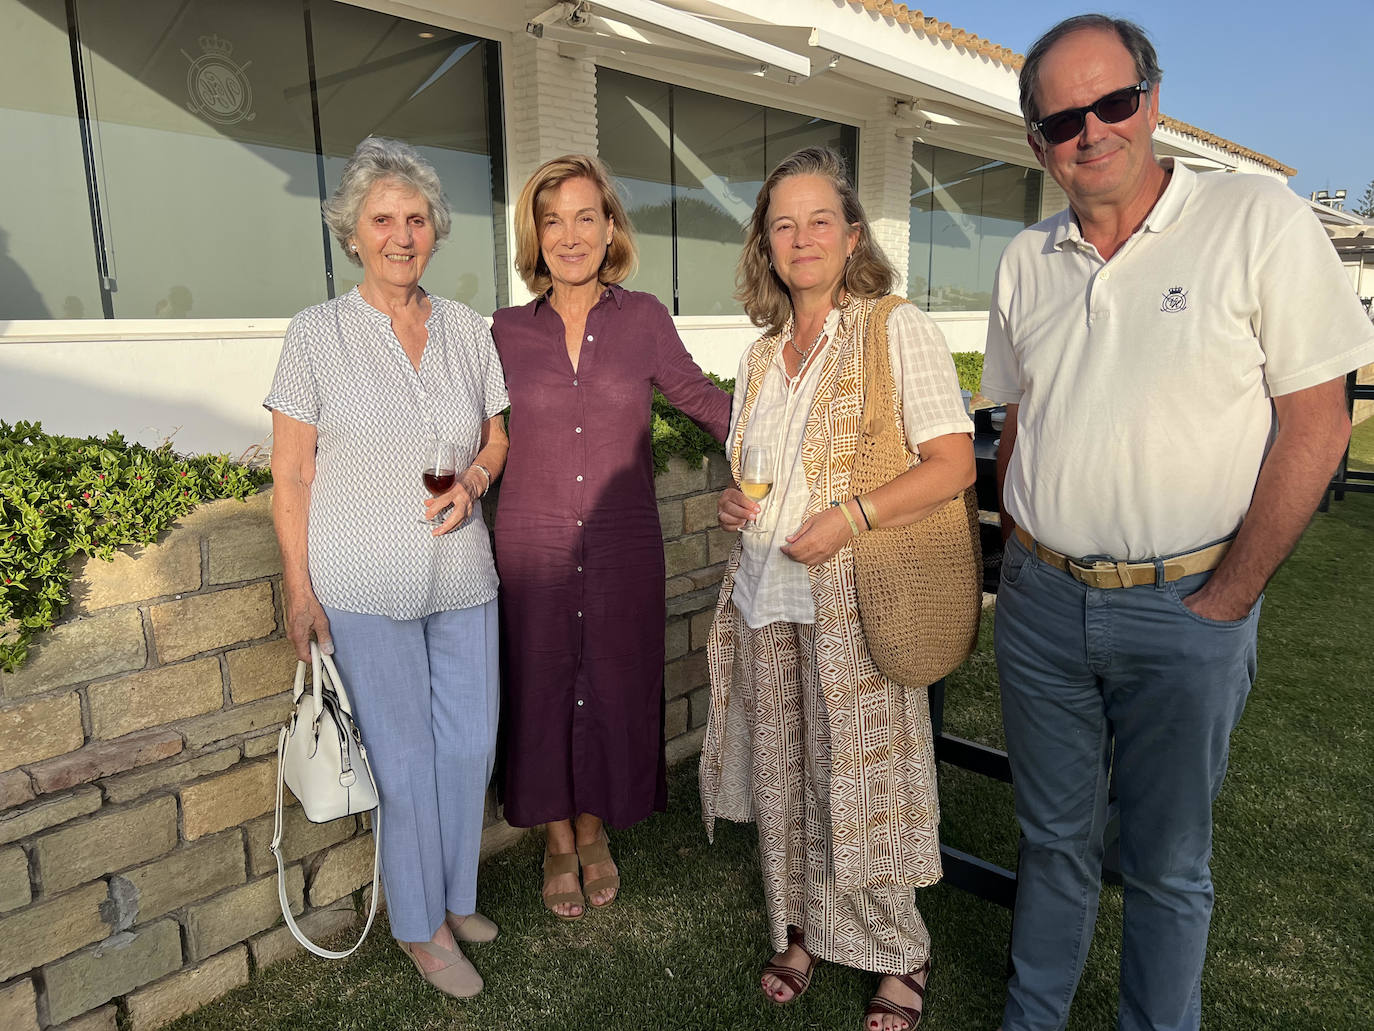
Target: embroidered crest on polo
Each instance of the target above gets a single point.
(1175, 299)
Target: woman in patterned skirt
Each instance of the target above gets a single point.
(832, 760)
(398, 585)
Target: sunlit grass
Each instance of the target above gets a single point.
(1292, 944)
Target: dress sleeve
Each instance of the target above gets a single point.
(683, 383)
(923, 373)
(294, 391)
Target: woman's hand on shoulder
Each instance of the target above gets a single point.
(818, 538)
(305, 617)
(733, 509)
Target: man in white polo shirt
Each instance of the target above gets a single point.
(1171, 349)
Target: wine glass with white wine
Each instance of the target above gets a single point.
(756, 481)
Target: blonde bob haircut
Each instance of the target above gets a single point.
(868, 273)
(622, 256)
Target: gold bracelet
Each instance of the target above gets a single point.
(853, 526)
(870, 513)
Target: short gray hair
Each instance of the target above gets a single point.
(376, 160)
(1131, 35)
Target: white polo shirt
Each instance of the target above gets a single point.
(1144, 382)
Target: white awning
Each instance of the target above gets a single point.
(644, 27)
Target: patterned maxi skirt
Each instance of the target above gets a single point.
(776, 702)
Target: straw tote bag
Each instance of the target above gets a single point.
(919, 586)
(321, 758)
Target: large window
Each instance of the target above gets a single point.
(691, 165)
(964, 212)
(209, 131)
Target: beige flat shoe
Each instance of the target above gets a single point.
(458, 977)
(473, 928)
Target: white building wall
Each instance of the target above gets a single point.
(550, 104)
(885, 191)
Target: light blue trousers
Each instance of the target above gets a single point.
(1127, 681)
(425, 693)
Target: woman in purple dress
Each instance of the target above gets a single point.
(578, 543)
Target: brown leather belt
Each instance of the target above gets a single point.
(1127, 574)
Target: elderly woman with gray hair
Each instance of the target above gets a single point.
(399, 585)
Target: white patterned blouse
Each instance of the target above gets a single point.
(343, 371)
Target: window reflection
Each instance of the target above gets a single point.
(964, 211)
(691, 165)
(201, 196)
(47, 256)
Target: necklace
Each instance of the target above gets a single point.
(803, 355)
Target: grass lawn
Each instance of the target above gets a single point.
(1292, 944)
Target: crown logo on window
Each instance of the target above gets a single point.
(212, 44)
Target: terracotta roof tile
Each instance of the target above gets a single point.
(918, 21)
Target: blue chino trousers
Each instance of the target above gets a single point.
(426, 694)
(1127, 682)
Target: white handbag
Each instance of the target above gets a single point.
(321, 758)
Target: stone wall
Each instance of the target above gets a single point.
(138, 771)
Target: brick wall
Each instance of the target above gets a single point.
(138, 771)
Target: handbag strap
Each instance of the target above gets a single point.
(275, 846)
(877, 364)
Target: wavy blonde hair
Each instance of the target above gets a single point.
(868, 273)
(622, 256)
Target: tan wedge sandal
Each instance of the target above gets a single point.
(556, 865)
(599, 851)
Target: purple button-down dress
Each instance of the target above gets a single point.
(580, 554)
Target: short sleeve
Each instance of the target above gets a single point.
(1001, 370)
(1311, 325)
(494, 397)
(923, 373)
(294, 391)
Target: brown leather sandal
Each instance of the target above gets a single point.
(556, 865)
(599, 851)
(798, 980)
(879, 1006)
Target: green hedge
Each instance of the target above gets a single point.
(64, 496)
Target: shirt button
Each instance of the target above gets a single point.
(578, 430)
(579, 613)
(579, 479)
(1105, 276)
(579, 569)
(574, 382)
(579, 522)
(590, 338)
(579, 703)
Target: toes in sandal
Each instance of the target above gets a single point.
(457, 977)
(797, 980)
(879, 1006)
(599, 851)
(556, 865)
(471, 928)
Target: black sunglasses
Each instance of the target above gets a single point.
(1116, 106)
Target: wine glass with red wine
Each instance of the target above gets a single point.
(440, 471)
